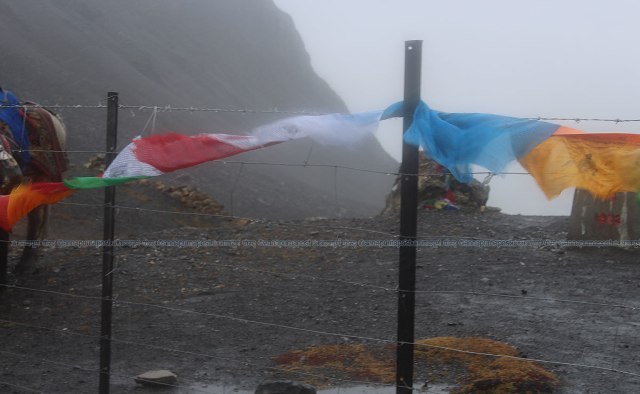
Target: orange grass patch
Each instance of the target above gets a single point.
(488, 374)
(354, 362)
(485, 374)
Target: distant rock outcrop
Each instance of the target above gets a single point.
(224, 54)
(438, 189)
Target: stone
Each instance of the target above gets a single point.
(285, 387)
(157, 378)
(614, 220)
(436, 183)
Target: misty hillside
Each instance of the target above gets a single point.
(207, 54)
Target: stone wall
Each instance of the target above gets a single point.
(595, 219)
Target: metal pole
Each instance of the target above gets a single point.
(408, 224)
(4, 258)
(107, 248)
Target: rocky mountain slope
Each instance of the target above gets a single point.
(207, 54)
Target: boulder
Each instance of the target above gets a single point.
(159, 377)
(438, 189)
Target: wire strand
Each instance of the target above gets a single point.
(170, 108)
(243, 320)
(222, 216)
(387, 341)
(20, 387)
(368, 285)
(111, 373)
(173, 350)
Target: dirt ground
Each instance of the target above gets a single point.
(218, 314)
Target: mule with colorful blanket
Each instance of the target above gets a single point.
(32, 143)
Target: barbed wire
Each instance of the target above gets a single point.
(280, 370)
(305, 165)
(334, 167)
(20, 387)
(85, 369)
(319, 332)
(578, 120)
(363, 338)
(395, 290)
(173, 350)
(56, 106)
(424, 241)
(291, 224)
(275, 222)
(522, 297)
(61, 151)
(222, 216)
(310, 331)
(295, 276)
(389, 289)
(170, 108)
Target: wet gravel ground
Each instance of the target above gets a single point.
(217, 313)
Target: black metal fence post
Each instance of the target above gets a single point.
(408, 224)
(107, 248)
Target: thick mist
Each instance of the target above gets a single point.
(196, 53)
(570, 59)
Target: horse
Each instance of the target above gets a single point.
(32, 149)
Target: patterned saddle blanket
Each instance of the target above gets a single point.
(45, 158)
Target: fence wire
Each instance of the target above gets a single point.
(180, 351)
(334, 334)
(172, 108)
(240, 320)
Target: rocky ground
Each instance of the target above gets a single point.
(219, 313)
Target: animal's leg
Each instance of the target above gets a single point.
(36, 230)
(4, 250)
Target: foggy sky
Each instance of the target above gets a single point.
(573, 59)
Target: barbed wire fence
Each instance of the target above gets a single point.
(177, 304)
(171, 108)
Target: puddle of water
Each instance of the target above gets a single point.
(432, 389)
(222, 389)
(218, 389)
